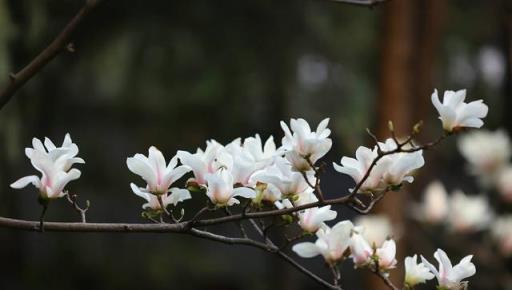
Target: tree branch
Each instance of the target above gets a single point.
(369, 3)
(60, 43)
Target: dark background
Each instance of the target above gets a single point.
(175, 73)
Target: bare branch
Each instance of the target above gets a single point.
(369, 3)
(59, 44)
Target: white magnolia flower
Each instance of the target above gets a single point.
(454, 113)
(220, 189)
(261, 154)
(158, 175)
(469, 213)
(416, 273)
(280, 177)
(360, 249)
(331, 243)
(435, 206)
(376, 229)
(450, 277)
(311, 219)
(304, 142)
(54, 163)
(174, 196)
(504, 183)
(398, 167)
(501, 231)
(486, 152)
(357, 168)
(202, 162)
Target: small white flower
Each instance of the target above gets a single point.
(501, 231)
(386, 254)
(158, 175)
(469, 213)
(304, 142)
(54, 163)
(416, 273)
(454, 113)
(486, 152)
(220, 189)
(450, 277)
(331, 243)
(398, 167)
(360, 249)
(311, 219)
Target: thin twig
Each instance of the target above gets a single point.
(59, 44)
(72, 199)
(368, 3)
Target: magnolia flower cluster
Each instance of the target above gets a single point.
(462, 213)
(390, 171)
(54, 163)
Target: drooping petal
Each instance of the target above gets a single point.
(24, 181)
(306, 250)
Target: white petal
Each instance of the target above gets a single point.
(244, 192)
(24, 181)
(306, 250)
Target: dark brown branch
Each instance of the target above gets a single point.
(368, 3)
(60, 43)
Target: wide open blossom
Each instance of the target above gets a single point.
(311, 219)
(302, 144)
(54, 164)
(450, 277)
(220, 189)
(158, 175)
(454, 113)
(331, 243)
(486, 152)
(416, 273)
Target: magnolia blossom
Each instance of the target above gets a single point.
(158, 175)
(435, 206)
(305, 143)
(311, 219)
(357, 168)
(469, 213)
(220, 189)
(454, 113)
(486, 152)
(331, 243)
(416, 273)
(450, 277)
(202, 162)
(54, 164)
(376, 229)
(501, 231)
(390, 170)
(360, 249)
(282, 180)
(504, 183)
(174, 196)
(386, 254)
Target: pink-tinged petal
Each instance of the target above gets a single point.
(198, 166)
(157, 161)
(61, 180)
(138, 191)
(139, 165)
(306, 250)
(24, 181)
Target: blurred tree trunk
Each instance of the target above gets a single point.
(411, 32)
(507, 94)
